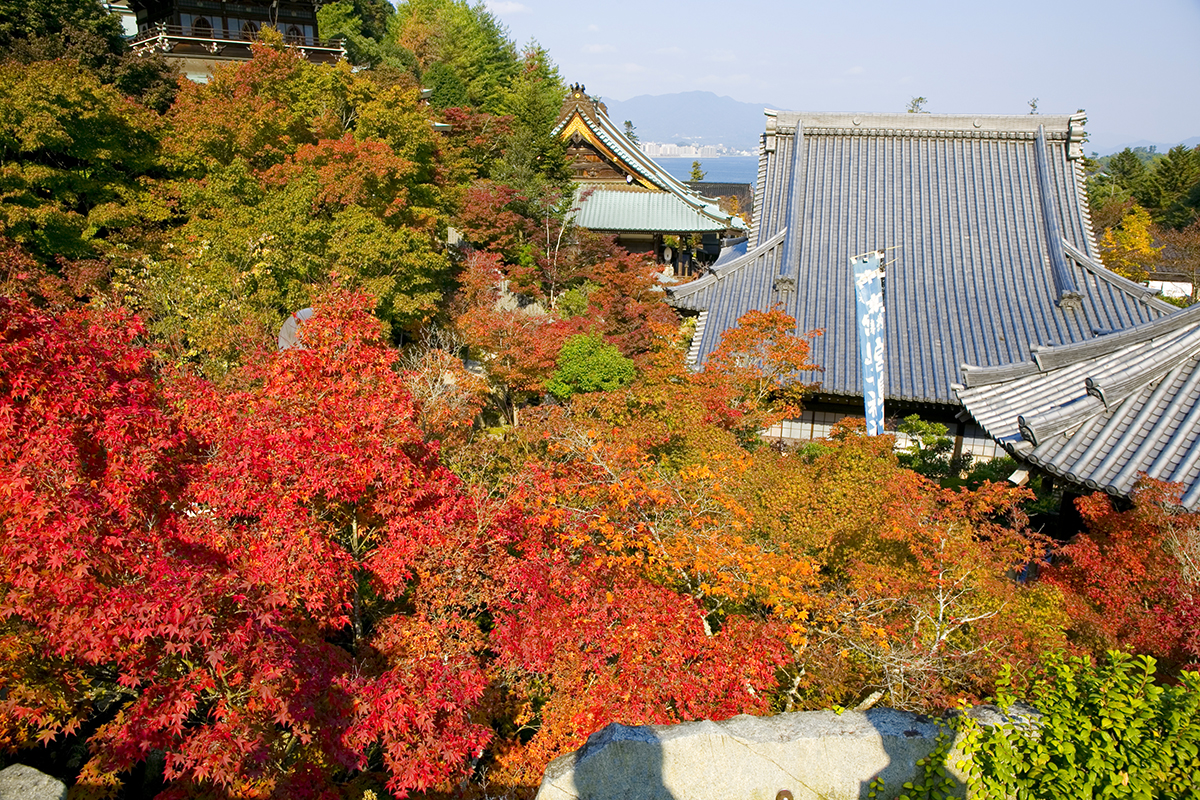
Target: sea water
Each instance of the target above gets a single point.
(728, 169)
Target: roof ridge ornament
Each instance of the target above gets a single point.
(1039, 428)
(1076, 135)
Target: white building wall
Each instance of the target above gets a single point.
(819, 424)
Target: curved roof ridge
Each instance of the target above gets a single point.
(1109, 385)
(1050, 357)
(668, 180)
(1120, 282)
(741, 262)
(1115, 379)
(1102, 418)
(1089, 231)
(600, 123)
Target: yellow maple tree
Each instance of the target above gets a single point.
(1128, 247)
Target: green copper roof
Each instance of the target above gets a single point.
(622, 210)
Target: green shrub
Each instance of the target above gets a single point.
(575, 301)
(1107, 730)
(589, 364)
(932, 453)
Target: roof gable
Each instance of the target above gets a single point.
(584, 122)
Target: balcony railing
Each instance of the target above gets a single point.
(163, 38)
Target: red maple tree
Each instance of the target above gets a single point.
(1130, 579)
(274, 582)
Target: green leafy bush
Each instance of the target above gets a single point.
(589, 364)
(1107, 730)
(575, 301)
(932, 453)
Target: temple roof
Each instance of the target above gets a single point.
(986, 233)
(617, 209)
(617, 164)
(1101, 413)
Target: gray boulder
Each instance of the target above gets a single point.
(815, 754)
(20, 782)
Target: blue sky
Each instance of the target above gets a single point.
(1134, 69)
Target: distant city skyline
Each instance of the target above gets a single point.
(673, 150)
(1134, 70)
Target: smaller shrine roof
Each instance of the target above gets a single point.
(607, 209)
(1101, 413)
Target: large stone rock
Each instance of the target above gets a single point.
(20, 782)
(815, 754)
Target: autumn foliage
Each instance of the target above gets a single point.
(1131, 579)
(237, 570)
(276, 581)
(391, 560)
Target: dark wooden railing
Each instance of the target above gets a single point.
(164, 37)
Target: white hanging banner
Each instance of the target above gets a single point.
(872, 341)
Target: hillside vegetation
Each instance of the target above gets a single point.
(1146, 213)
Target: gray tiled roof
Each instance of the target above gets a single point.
(985, 227)
(1104, 412)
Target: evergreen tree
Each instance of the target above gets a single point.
(25, 21)
(533, 155)
(1127, 171)
(83, 31)
(448, 89)
(362, 27)
(1169, 187)
(375, 16)
(631, 132)
(469, 40)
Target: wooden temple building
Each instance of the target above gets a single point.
(622, 191)
(988, 248)
(200, 34)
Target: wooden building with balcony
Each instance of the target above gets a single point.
(200, 34)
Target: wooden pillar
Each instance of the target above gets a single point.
(958, 439)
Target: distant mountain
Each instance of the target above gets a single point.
(1162, 147)
(692, 118)
(706, 118)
